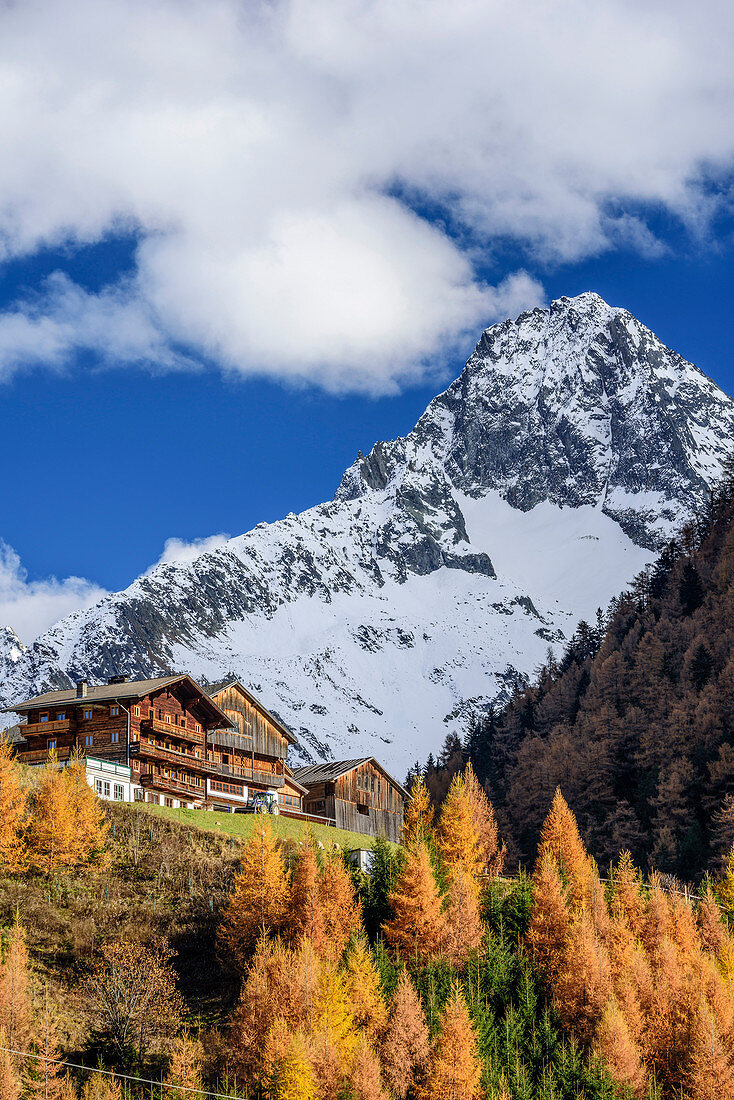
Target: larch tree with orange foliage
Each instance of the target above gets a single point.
(13, 851)
(419, 813)
(51, 839)
(9, 1083)
(184, 1069)
(404, 1048)
(710, 1075)
(363, 981)
(89, 826)
(417, 925)
(259, 902)
(366, 1081)
(333, 1039)
(583, 983)
(307, 915)
(627, 903)
(457, 834)
(492, 853)
(550, 919)
(560, 839)
(44, 1077)
(454, 1069)
(341, 910)
(281, 982)
(463, 930)
(619, 1052)
(712, 933)
(100, 1087)
(16, 1012)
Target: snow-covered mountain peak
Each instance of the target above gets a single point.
(528, 494)
(578, 403)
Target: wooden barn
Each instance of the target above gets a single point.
(355, 794)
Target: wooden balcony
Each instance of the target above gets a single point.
(40, 757)
(46, 729)
(165, 785)
(250, 775)
(170, 756)
(170, 729)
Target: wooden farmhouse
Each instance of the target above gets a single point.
(185, 745)
(355, 794)
(250, 754)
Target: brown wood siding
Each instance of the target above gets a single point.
(266, 740)
(72, 732)
(366, 785)
(372, 823)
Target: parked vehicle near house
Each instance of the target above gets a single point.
(264, 802)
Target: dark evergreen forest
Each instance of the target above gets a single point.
(635, 722)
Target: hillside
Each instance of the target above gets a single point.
(267, 970)
(636, 720)
(531, 491)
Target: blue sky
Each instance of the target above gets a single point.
(227, 266)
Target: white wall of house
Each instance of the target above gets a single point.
(223, 798)
(109, 781)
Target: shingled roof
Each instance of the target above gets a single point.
(109, 693)
(332, 770)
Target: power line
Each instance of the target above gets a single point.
(118, 1076)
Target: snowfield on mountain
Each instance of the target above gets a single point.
(570, 448)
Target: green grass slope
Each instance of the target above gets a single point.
(240, 826)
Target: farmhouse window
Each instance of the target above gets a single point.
(139, 794)
(115, 736)
(43, 718)
(88, 740)
(114, 711)
(87, 715)
(362, 809)
(136, 711)
(61, 716)
(52, 745)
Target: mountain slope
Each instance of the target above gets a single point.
(533, 489)
(636, 723)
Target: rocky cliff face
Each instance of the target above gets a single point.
(570, 447)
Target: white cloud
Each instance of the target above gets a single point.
(179, 550)
(258, 150)
(30, 607)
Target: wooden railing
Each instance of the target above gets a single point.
(40, 757)
(33, 729)
(165, 784)
(170, 729)
(252, 775)
(171, 756)
(318, 819)
(209, 767)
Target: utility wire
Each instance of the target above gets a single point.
(118, 1076)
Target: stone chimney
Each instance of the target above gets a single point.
(81, 689)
